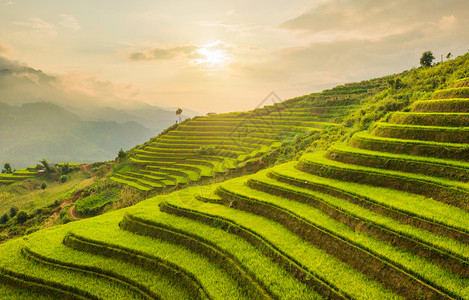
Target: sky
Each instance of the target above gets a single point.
(220, 56)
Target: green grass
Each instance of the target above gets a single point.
(414, 205)
(140, 181)
(91, 204)
(17, 263)
(11, 292)
(317, 261)
(459, 92)
(217, 283)
(451, 151)
(276, 280)
(204, 170)
(318, 157)
(192, 175)
(423, 133)
(27, 195)
(445, 244)
(431, 119)
(422, 268)
(449, 169)
(51, 246)
(450, 192)
(447, 105)
(130, 183)
(176, 178)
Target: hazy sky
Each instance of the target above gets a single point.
(214, 55)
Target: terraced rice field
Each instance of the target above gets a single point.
(18, 175)
(235, 139)
(383, 217)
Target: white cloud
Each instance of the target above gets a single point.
(36, 23)
(371, 19)
(69, 21)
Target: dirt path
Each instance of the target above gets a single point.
(50, 222)
(73, 214)
(85, 168)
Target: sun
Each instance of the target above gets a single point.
(212, 54)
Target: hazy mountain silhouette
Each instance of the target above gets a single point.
(34, 131)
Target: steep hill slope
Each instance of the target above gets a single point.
(205, 147)
(385, 216)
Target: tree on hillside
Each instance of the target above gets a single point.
(427, 59)
(121, 155)
(7, 168)
(46, 166)
(449, 55)
(178, 113)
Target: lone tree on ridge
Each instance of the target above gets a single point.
(178, 113)
(427, 59)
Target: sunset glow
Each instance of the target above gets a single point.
(213, 55)
(193, 54)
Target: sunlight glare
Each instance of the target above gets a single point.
(212, 54)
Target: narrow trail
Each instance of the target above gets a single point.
(73, 214)
(53, 217)
(85, 167)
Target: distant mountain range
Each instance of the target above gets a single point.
(44, 130)
(43, 116)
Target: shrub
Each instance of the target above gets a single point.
(22, 217)
(13, 211)
(4, 219)
(43, 186)
(64, 169)
(63, 178)
(102, 171)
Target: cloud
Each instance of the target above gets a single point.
(194, 53)
(20, 83)
(9, 3)
(69, 21)
(169, 53)
(36, 23)
(371, 19)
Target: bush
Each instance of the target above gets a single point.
(102, 171)
(4, 219)
(43, 186)
(13, 211)
(63, 178)
(22, 217)
(64, 169)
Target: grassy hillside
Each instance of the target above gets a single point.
(383, 214)
(235, 143)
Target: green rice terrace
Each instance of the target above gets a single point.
(376, 207)
(204, 147)
(17, 175)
